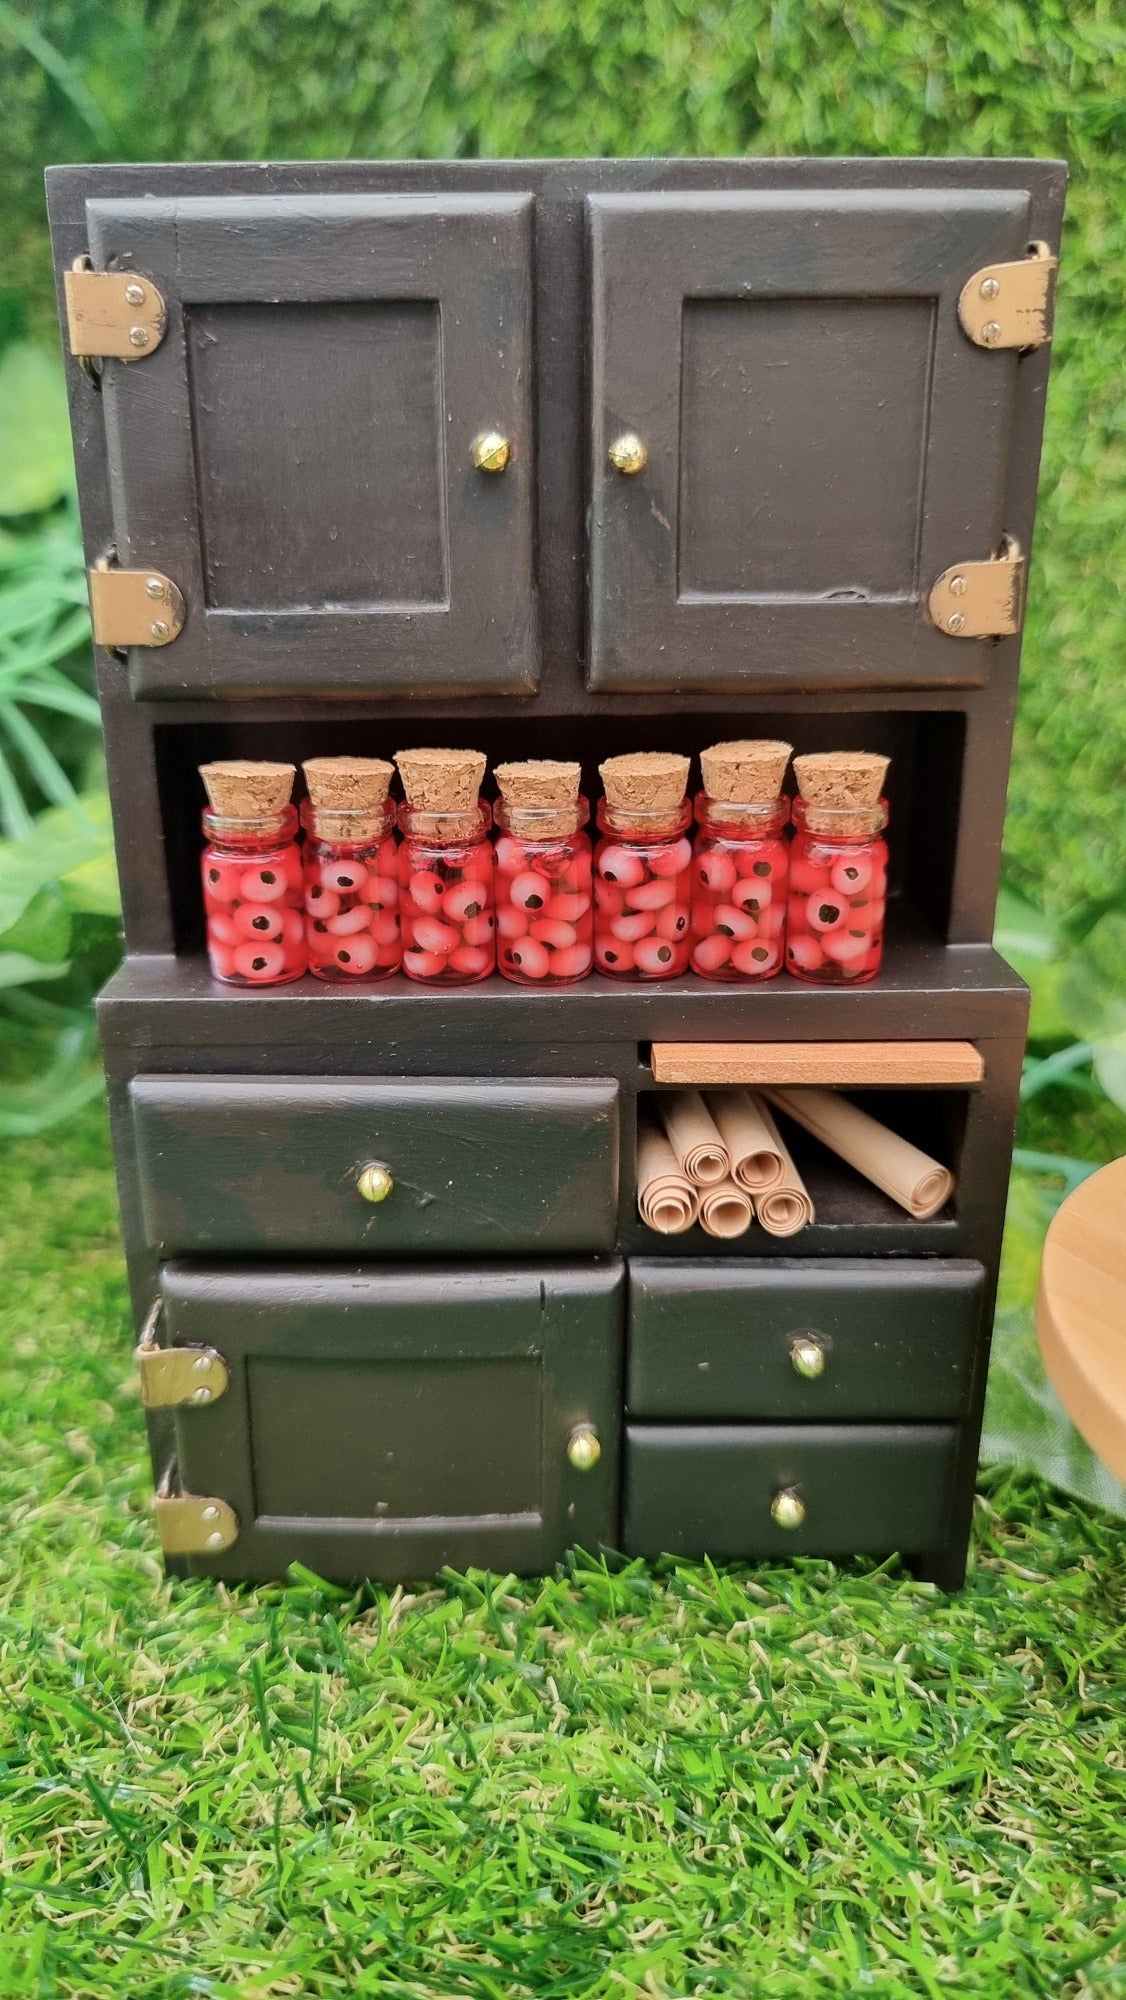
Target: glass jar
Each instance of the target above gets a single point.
(643, 893)
(739, 871)
(253, 892)
(351, 892)
(838, 893)
(545, 918)
(446, 884)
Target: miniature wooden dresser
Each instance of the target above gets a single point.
(837, 372)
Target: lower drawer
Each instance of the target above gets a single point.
(779, 1340)
(386, 1423)
(739, 1490)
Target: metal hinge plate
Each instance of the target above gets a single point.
(981, 600)
(172, 1377)
(194, 1524)
(1011, 305)
(134, 607)
(112, 315)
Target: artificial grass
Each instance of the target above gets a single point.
(787, 1781)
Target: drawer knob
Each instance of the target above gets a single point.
(374, 1182)
(628, 454)
(807, 1356)
(584, 1448)
(491, 451)
(787, 1509)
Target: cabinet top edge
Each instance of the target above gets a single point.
(560, 178)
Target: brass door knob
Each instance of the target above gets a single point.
(787, 1509)
(628, 454)
(584, 1448)
(374, 1182)
(807, 1356)
(491, 451)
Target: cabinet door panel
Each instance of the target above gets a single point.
(297, 454)
(387, 1424)
(822, 438)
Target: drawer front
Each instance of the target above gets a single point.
(802, 1341)
(387, 1423)
(702, 1489)
(253, 1164)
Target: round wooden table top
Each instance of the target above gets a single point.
(1081, 1311)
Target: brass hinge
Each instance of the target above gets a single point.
(112, 315)
(981, 600)
(194, 1524)
(173, 1376)
(1011, 305)
(133, 607)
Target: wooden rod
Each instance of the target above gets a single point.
(817, 1062)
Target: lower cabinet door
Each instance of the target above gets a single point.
(383, 1424)
(763, 1490)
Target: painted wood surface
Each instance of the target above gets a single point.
(712, 1340)
(695, 1489)
(385, 1424)
(249, 1165)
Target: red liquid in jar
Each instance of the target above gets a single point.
(643, 896)
(545, 902)
(837, 899)
(351, 898)
(447, 899)
(253, 890)
(740, 865)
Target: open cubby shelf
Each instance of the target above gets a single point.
(926, 748)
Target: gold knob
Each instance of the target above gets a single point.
(584, 1448)
(491, 451)
(628, 454)
(787, 1509)
(807, 1356)
(374, 1183)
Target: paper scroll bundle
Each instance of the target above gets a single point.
(720, 1160)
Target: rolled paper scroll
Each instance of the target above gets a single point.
(694, 1137)
(725, 1210)
(756, 1163)
(666, 1199)
(919, 1184)
(786, 1207)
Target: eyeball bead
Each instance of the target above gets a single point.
(348, 878)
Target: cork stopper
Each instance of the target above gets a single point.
(747, 772)
(444, 784)
(246, 788)
(348, 796)
(650, 782)
(841, 789)
(541, 796)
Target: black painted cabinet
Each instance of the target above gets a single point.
(297, 455)
(387, 1423)
(550, 458)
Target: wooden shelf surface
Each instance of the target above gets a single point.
(885, 1063)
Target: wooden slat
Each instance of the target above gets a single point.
(816, 1062)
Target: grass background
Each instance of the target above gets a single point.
(665, 1781)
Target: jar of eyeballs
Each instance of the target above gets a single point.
(446, 868)
(642, 868)
(838, 869)
(351, 869)
(739, 862)
(545, 922)
(252, 878)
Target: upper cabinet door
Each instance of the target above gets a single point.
(792, 436)
(300, 455)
